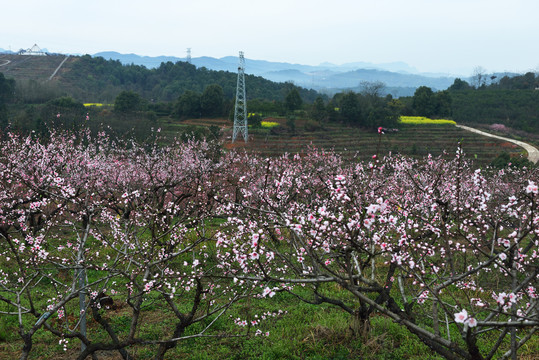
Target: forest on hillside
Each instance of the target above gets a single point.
(511, 101)
(97, 79)
(137, 95)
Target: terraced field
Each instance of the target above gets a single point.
(417, 141)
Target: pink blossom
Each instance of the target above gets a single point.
(254, 242)
(472, 322)
(422, 297)
(461, 316)
(501, 298)
(267, 291)
(531, 188)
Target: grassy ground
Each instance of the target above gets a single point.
(303, 332)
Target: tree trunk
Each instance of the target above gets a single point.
(27, 347)
(163, 348)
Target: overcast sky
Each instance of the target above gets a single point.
(430, 35)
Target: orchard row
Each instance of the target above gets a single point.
(447, 250)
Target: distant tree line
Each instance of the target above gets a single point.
(210, 103)
(368, 108)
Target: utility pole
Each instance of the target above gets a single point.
(240, 110)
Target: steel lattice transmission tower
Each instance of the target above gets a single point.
(188, 58)
(240, 110)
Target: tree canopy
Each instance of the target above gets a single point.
(128, 101)
(293, 100)
(212, 100)
(366, 110)
(188, 104)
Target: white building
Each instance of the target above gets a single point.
(34, 51)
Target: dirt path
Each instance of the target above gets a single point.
(533, 153)
(58, 68)
(6, 62)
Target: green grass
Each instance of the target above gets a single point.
(304, 332)
(309, 332)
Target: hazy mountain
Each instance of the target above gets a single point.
(148, 61)
(227, 63)
(352, 78)
(295, 76)
(324, 77)
(397, 66)
(255, 67)
(397, 84)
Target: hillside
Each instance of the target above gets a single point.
(38, 68)
(516, 108)
(89, 79)
(512, 101)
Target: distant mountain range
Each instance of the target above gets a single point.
(399, 77)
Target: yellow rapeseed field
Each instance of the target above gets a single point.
(421, 120)
(268, 124)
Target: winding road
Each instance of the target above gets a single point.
(533, 153)
(6, 62)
